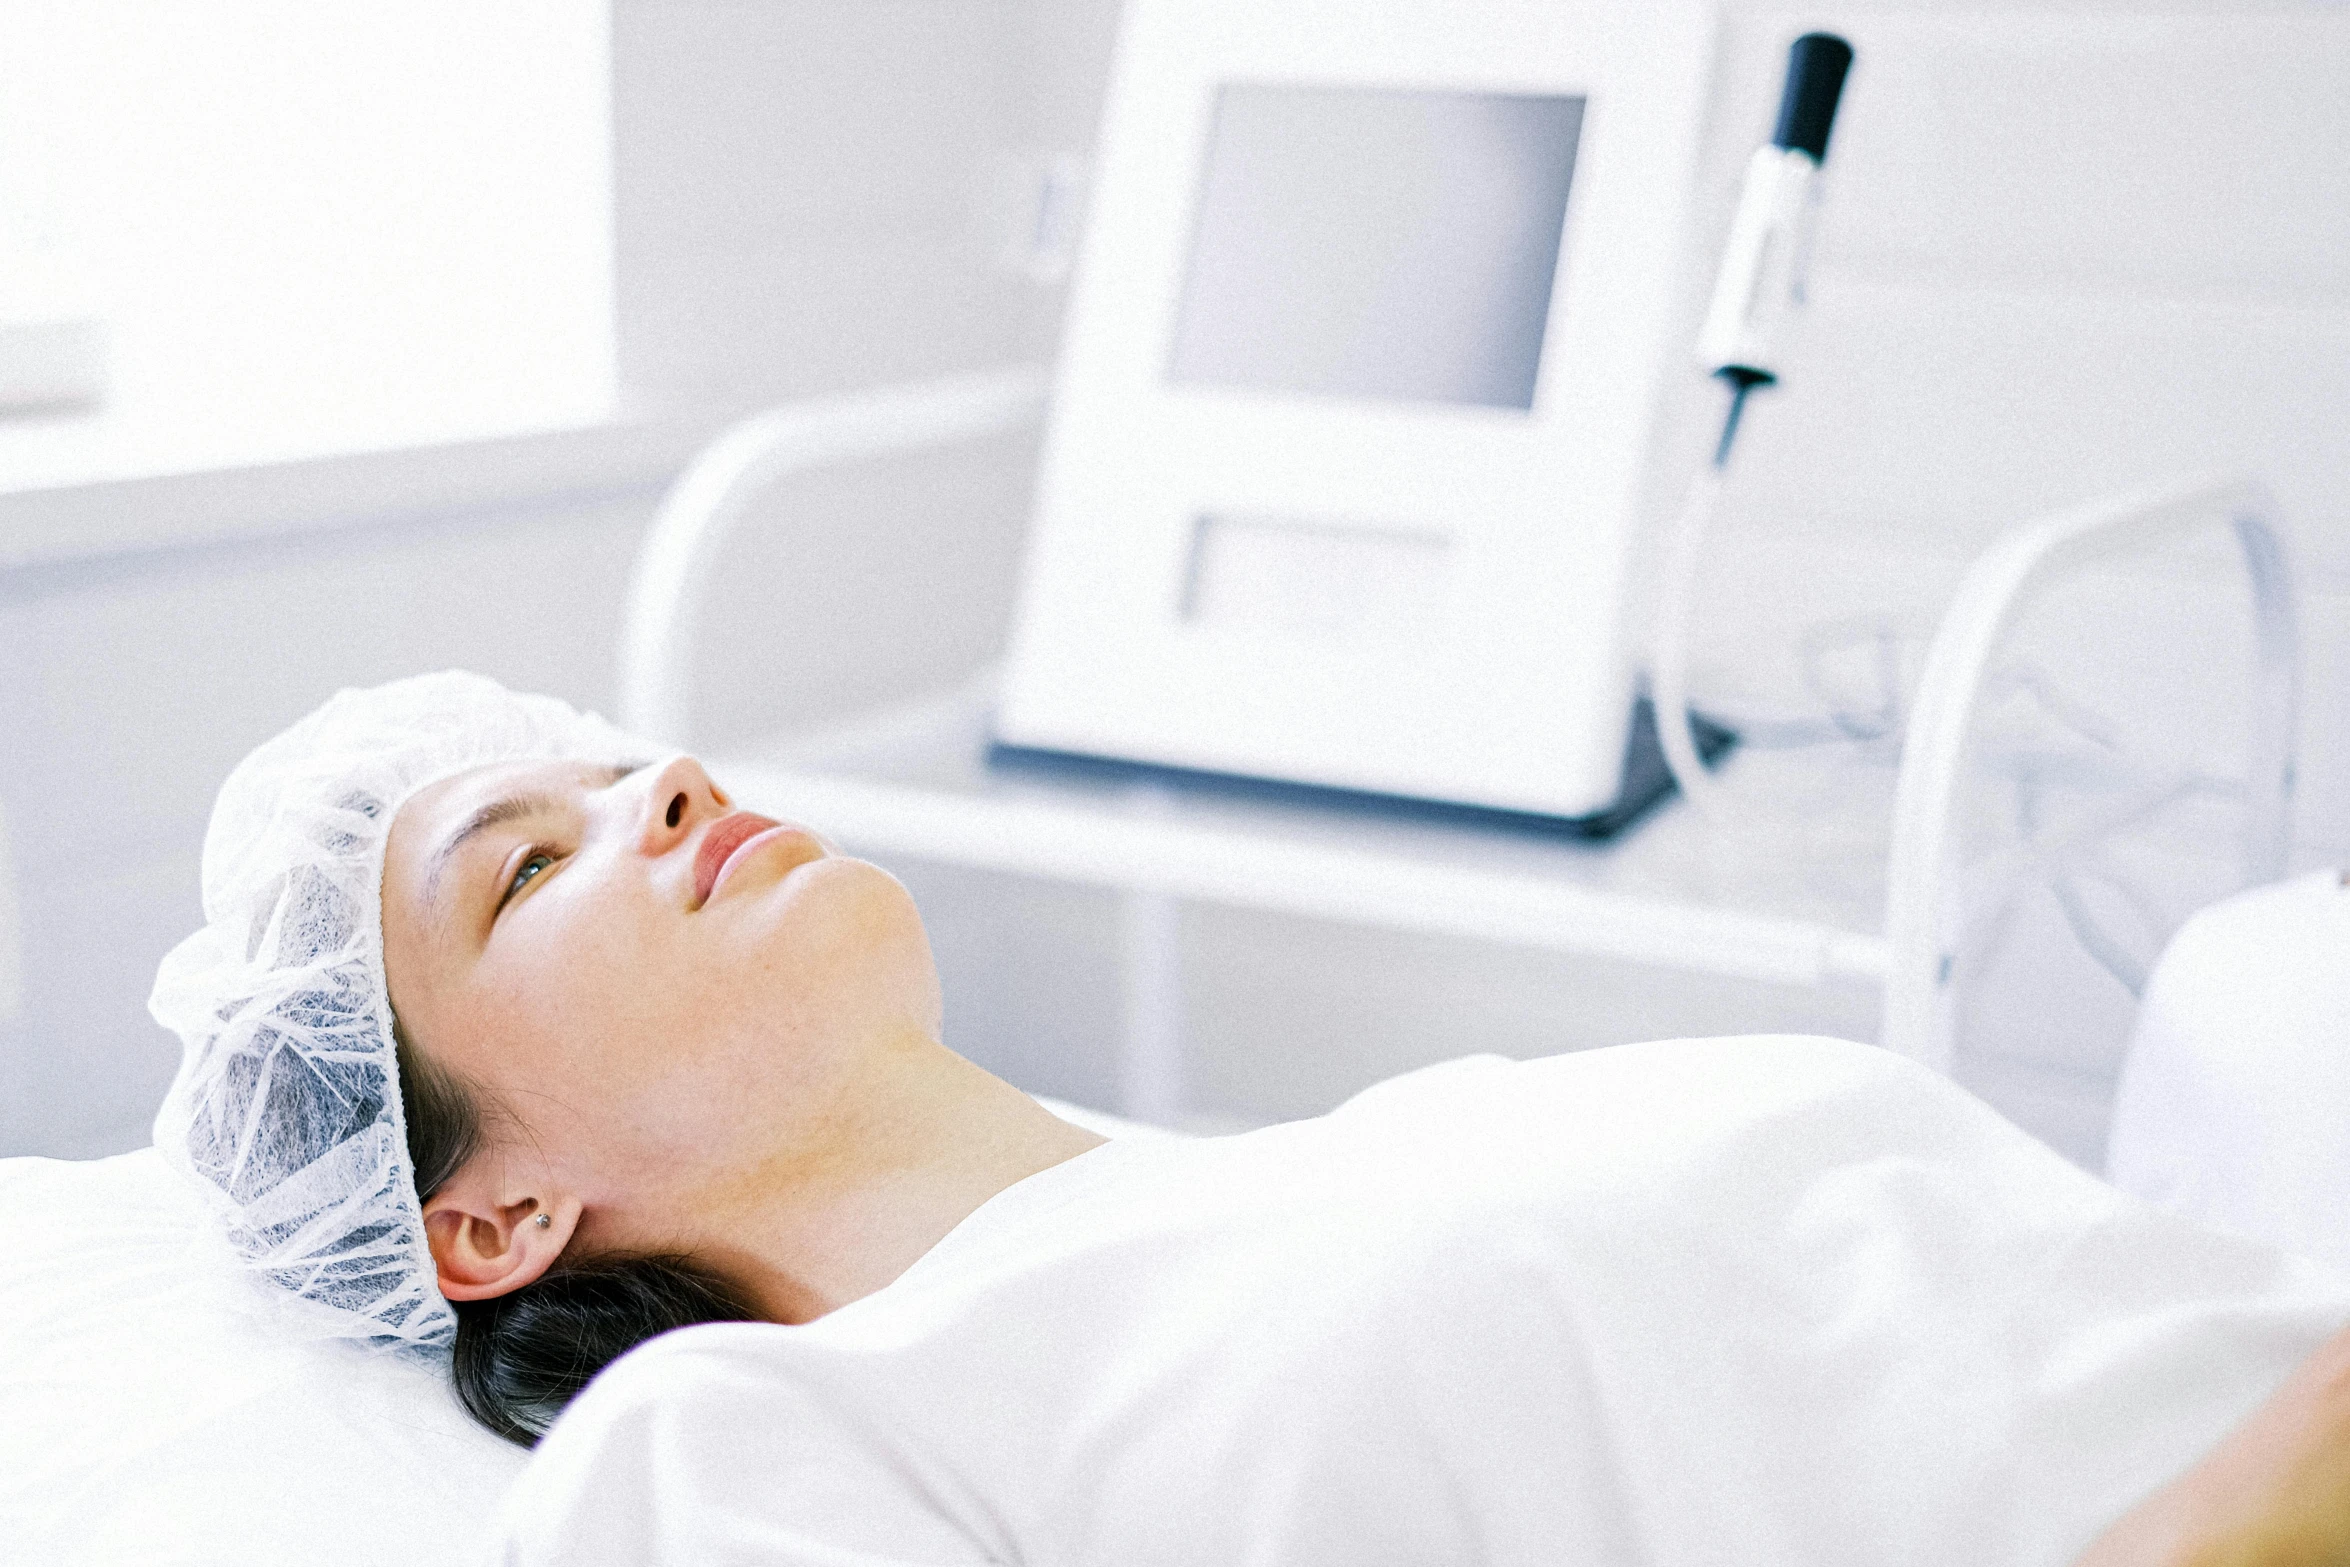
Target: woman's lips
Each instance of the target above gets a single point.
(729, 841)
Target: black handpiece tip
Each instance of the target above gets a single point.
(1816, 64)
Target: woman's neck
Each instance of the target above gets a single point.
(905, 1151)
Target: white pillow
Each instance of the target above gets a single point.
(2234, 1101)
(147, 1415)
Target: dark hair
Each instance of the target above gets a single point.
(520, 1357)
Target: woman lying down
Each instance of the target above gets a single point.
(512, 1042)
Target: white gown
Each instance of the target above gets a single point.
(1744, 1301)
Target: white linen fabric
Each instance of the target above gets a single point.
(1745, 1301)
(2234, 1101)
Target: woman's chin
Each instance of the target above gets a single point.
(847, 909)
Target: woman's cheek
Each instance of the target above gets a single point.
(590, 933)
(555, 974)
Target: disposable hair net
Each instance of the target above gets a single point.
(286, 1110)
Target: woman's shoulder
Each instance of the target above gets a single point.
(678, 1387)
(713, 1443)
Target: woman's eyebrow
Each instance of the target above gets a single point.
(509, 808)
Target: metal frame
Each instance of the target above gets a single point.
(1920, 901)
(708, 502)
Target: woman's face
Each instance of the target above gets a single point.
(652, 992)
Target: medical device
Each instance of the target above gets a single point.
(1761, 284)
(1346, 457)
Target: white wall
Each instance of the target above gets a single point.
(798, 211)
(805, 192)
(802, 188)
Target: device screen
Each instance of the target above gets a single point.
(1376, 242)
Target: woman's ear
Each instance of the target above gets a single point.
(488, 1240)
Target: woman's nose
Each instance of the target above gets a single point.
(682, 798)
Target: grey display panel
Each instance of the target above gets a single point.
(1377, 243)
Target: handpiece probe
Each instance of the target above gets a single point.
(1760, 284)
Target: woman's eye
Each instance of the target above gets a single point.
(523, 875)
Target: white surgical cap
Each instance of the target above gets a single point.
(286, 1111)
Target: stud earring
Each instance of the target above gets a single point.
(544, 1221)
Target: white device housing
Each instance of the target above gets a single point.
(1763, 263)
(51, 361)
(1262, 571)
